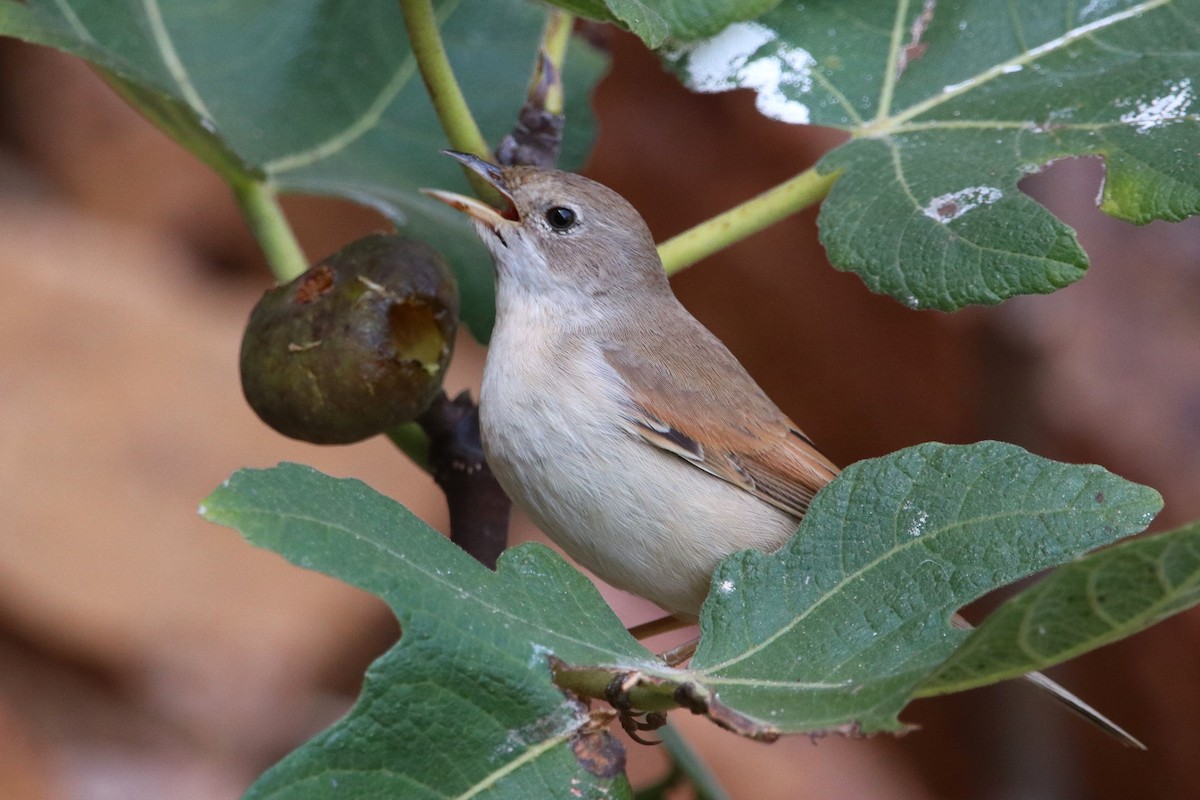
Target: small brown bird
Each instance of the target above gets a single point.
(628, 433)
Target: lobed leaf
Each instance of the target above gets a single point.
(839, 627)
(1091, 602)
(950, 104)
(321, 96)
(464, 704)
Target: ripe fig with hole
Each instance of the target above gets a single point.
(356, 345)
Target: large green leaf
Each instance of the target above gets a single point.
(949, 104)
(464, 703)
(320, 96)
(1098, 599)
(841, 625)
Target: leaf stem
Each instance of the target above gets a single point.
(452, 110)
(259, 204)
(650, 695)
(694, 244)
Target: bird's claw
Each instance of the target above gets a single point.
(617, 695)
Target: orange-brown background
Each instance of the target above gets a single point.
(147, 654)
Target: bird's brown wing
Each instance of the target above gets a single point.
(730, 429)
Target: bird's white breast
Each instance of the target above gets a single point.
(639, 518)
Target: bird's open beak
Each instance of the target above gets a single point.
(492, 217)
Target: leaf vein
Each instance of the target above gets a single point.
(527, 757)
(1018, 29)
(364, 123)
(74, 21)
(849, 577)
(353, 131)
(1005, 67)
(1096, 604)
(891, 72)
(171, 59)
(433, 576)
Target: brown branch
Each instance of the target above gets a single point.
(479, 508)
(537, 137)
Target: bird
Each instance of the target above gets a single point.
(626, 431)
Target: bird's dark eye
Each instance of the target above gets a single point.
(560, 218)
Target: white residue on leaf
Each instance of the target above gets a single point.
(538, 658)
(552, 726)
(1169, 107)
(950, 206)
(917, 526)
(726, 587)
(202, 509)
(713, 64)
(1055, 119)
(1008, 69)
(1095, 8)
(750, 55)
(951, 88)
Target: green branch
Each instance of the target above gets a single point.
(452, 110)
(651, 694)
(555, 39)
(259, 204)
(802, 191)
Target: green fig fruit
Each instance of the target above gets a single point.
(356, 345)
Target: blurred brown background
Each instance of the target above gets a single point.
(147, 654)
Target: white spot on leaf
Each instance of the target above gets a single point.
(726, 587)
(1166, 108)
(917, 526)
(951, 206)
(1095, 8)
(951, 88)
(538, 658)
(749, 55)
